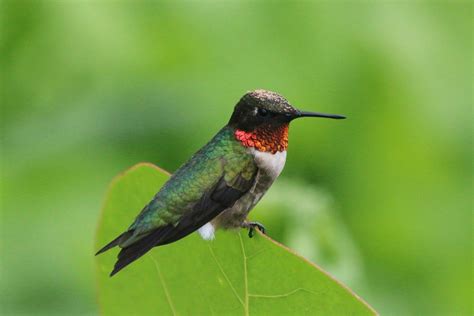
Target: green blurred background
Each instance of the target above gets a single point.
(382, 200)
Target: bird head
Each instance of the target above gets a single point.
(263, 108)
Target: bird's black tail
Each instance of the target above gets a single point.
(122, 237)
(131, 253)
(160, 236)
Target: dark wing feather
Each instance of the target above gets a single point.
(216, 200)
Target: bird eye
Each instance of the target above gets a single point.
(262, 112)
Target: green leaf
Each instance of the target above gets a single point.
(231, 275)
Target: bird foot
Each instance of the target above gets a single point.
(252, 226)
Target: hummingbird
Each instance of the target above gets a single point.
(221, 183)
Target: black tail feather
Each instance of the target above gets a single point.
(160, 236)
(116, 241)
(131, 253)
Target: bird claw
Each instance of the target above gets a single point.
(255, 225)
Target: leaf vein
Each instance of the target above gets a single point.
(282, 295)
(246, 306)
(256, 254)
(225, 276)
(163, 284)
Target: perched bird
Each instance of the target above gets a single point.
(221, 183)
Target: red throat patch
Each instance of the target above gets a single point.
(266, 139)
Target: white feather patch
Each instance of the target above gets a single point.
(272, 163)
(207, 231)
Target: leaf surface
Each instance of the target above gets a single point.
(231, 275)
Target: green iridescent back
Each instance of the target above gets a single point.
(222, 156)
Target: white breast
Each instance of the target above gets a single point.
(272, 164)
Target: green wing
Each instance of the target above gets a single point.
(212, 181)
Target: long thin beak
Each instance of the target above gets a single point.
(315, 114)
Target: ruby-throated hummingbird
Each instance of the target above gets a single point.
(221, 183)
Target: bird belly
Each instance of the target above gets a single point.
(270, 166)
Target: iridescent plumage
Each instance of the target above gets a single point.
(222, 158)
